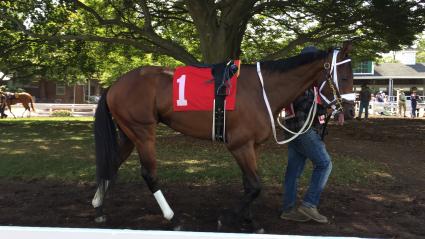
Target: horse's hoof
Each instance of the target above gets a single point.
(177, 224)
(178, 228)
(100, 219)
(260, 231)
(219, 225)
(226, 222)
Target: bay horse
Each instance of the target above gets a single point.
(142, 98)
(8, 99)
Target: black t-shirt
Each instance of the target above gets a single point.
(365, 95)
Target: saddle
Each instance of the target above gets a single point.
(10, 95)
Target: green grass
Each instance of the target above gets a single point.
(62, 149)
(47, 148)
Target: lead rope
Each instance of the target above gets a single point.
(312, 109)
(325, 125)
(309, 120)
(310, 117)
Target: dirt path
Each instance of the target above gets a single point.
(395, 208)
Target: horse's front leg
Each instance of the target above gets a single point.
(10, 110)
(246, 158)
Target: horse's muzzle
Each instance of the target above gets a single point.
(348, 110)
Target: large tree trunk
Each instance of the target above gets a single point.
(221, 27)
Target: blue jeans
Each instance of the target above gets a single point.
(308, 145)
(413, 110)
(364, 105)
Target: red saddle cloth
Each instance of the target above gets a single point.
(193, 89)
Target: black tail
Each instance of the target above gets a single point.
(105, 135)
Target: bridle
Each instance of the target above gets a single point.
(332, 79)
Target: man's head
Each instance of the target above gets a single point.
(309, 49)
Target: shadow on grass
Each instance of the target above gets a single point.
(63, 150)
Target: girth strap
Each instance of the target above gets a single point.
(222, 74)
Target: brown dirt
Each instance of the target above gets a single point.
(395, 208)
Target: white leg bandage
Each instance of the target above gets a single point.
(100, 194)
(166, 210)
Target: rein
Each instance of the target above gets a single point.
(313, 108)
(312, 112)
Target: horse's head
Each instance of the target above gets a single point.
(337, 86)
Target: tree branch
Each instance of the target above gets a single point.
(147, 16)
(163, 46)
(108, 22)
(259, 8)
(156, 43)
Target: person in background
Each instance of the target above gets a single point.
(402, 104)
(414, 102)
(364, 97)
(379, 97)
(384, 97)
(2, 105)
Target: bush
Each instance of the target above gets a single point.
(93, 99)
(61, 113)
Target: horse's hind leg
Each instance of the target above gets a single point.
(125, 149)
(246, 158)
(97, 201)
(27, 107)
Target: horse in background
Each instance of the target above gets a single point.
(8, 99)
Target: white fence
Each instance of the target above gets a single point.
(75, 109)
(46, 109)
(391, 108)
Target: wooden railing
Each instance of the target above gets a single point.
(75, 109)
(391, 108)
(46, 109)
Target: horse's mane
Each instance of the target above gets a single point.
(293, 62)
